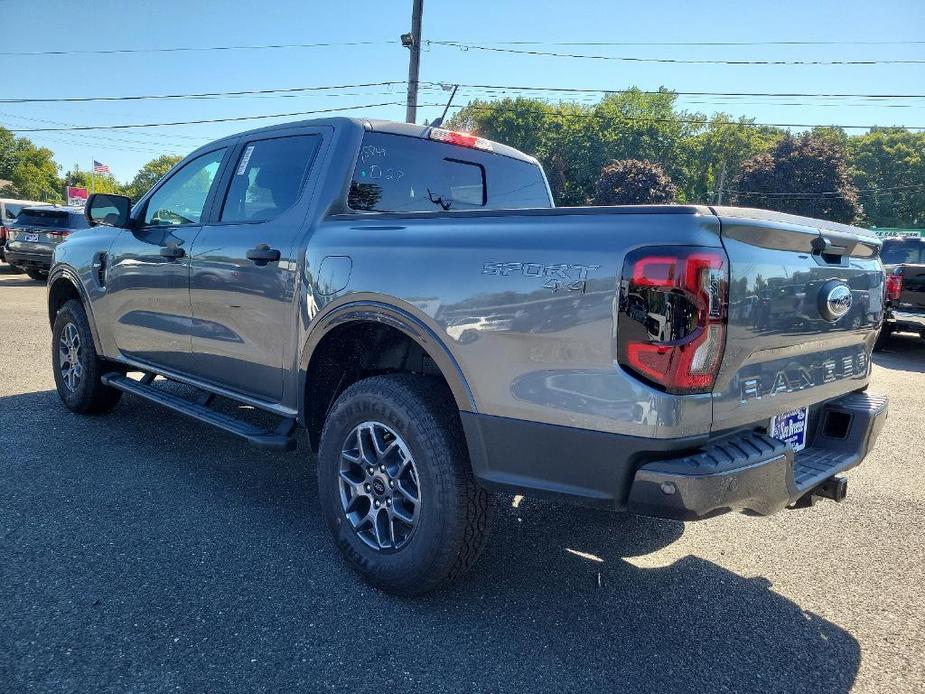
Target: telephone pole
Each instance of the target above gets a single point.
(412, 42)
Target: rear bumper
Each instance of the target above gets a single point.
(903, 319)
(42, 261)
(686, 478)
(754, 472)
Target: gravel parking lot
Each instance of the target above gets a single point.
(140, 551)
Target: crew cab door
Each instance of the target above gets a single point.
(147, 267)
(243, 268)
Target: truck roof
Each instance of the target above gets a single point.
(374, 125)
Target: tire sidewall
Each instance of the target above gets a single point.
(75, 400)
(413, 561)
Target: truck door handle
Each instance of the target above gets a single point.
(172, 252)
(263, 254)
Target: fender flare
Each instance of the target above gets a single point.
(403, 321)
(62, 273)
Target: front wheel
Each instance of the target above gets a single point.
(395, 484)
(78, 368)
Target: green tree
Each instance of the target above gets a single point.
(633, 182)
(574, 141)
(717, 154)
(805, 175)
(149, 174)
(31, 171)
(888, 166)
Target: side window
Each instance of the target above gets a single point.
(268, 178)
(182, 198)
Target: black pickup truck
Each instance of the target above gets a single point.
(904, 264)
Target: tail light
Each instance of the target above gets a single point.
(894, 287)
(58, 235)
(3, 233)
(671, 326)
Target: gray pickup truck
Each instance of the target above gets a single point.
(412, 297)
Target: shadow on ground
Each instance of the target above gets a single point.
(902, 352)
(143, 551)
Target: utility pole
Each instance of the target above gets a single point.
(722, 182)
(412, 42)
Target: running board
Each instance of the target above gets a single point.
(280, 439)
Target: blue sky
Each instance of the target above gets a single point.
(59, 25)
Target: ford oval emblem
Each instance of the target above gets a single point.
(835, 300)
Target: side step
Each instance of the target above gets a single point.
(280, 439)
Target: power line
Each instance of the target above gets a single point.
(824, 193)
(705, 43)
(123, 126)
(679, 93)
(188, 49)
(196, 95)
(282, 91)
(330, 44)
(683, 61)
(693, 121)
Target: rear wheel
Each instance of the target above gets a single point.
(77, 367)
(395, 485)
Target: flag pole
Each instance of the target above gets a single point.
(92, 175)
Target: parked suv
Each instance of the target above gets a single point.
(412, 297)
(32, 238)
(9, 209)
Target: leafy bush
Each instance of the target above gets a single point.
(633, 182)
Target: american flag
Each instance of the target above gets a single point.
(101, 168)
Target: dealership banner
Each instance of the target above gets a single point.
(76, 196)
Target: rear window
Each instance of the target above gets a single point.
(396, 173)
(51, 219)
(899, 252)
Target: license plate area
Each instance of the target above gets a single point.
(791, 427)
(30, 237)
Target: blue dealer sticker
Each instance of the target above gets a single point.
(790, 427)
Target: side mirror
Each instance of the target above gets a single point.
(108, 209)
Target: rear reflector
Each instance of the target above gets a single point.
(671, 327)
(461, 139)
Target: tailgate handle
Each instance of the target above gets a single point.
(823, 246)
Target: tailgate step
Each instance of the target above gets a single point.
(281, 438)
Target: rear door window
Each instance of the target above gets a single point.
(397, 173)
(268, 178)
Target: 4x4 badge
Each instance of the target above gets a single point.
(569, 276)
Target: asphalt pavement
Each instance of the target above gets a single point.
(143, 552)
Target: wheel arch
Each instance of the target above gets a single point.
(64, 285)
(382, 323)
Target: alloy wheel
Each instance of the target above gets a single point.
(379, 489)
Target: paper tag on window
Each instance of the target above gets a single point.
(242, 167)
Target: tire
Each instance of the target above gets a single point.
(883, 339)
(37, 275)
(81, 390)
(450, 518)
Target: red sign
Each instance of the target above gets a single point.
(76, 196)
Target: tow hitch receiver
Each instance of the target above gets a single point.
(834, 488)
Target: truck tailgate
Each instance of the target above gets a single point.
(805, 303)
